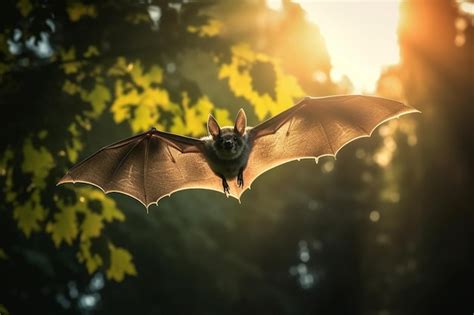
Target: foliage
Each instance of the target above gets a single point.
(3, 310)
(134, 93)
(3, 255)
(240, 82)
(121, 263)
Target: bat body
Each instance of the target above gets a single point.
(155, 164)
(228, 149)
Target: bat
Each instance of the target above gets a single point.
(155, 164)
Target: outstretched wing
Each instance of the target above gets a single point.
(316, 127)
(147, 167)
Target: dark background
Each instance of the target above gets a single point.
(385, 229)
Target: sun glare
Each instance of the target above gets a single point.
(361, 37)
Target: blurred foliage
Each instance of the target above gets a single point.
(3, 310)
(120, 263)
(134, 91)
(286, 88)
(3, 255)
(351, 238)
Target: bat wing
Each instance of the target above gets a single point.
(147, 167)
(316, 127)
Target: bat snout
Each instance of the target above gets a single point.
(228, 144)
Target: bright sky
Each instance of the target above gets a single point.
(361, 36)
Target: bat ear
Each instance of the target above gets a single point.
(213, 127)
(240, 122)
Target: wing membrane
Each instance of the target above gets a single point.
(316, 127)
(147, 167)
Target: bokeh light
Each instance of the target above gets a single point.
(374, 216)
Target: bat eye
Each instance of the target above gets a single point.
(235, 138)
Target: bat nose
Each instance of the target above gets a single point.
(228, 144)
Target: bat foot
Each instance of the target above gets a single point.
(225, 186)
(240, 180)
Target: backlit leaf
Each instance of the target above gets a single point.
(91, 51)
(78, 10)
(38, 162)
(120, 264)
(222, 117)
(195, 117)
(24, 6)
(3, 255)
(64, 228)
(140, 106)
(3, 310)
(237, 72)
(91, 260)
(91, 226)
(211, 29)
(30, 214)
(68, 57)
(98, 98)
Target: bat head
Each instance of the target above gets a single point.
(228, 141)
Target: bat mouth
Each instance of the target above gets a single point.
(228, 154)
(232, 151)
(229, 146)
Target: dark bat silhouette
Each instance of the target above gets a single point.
(155, 164)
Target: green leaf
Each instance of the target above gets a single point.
(77, 10)
(98, 98)
(237, 72)
(139, 106)
(91, 226)
(30, 214)
(222, 117)
(69, 66)
(25, 7)
(110, 211)
(64, 228)
(120, 264)
(211, 29)
(3, 255)
(70, 87)
(195, 117)
(92, 261)
(3, 310)
(91, 51)
(38, 162)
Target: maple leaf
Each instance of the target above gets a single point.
(120, 264)
(64, 228)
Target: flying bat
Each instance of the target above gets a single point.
(155, 164)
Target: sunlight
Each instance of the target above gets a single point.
(466, 7)
(361, 37)
(275, 4)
